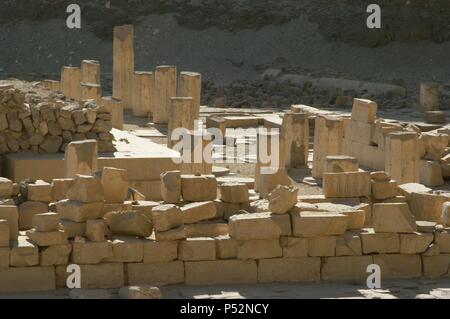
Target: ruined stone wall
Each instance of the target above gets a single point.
(43, 122)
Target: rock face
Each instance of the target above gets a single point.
(43, 122)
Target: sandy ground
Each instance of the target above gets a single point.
(390, 289)
(221, 55)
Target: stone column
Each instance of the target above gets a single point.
(194, 160)
(142, 93)
(429, 96)
(328, 137)
(90, 91)
(90, 71)
(165, 88)
(123, 64)
(181, 111)
(295, 132)
(70, 82)
(402, 157)
(81, 158)
(190, 84)
(115, 107)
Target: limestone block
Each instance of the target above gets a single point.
(402, 157)
(123, 64)
(159, 251)
(4, 257)
(427, 206)
(284, 223)
(46, 222)
(50, 238)
(442, 238)
(55, 255)
(393, 218)
(341, 164)
(211, 228)
(181, 116)
(70, 82)
(73, 229)
(4, 233)
(142, 98)
(359, 132)
(226, 247)
(230, 209)
(127, 249)
(80, 158)
(190, 84)
(77, 211)
(282, 199)
(170, 235)
(234, 192)
(322, 246)
(115, 108)
(114, 182)
(349, 245)
(129, 223)
(86, 189)
(381, 243)
(253, 226)
(40, 191)
(158, 273)
(102, 276)
(445, 166)
(295, 133)
(313, 224)
(294, 247)
(288, 270)
(269, 179)
(6, 188)
(399, 266)
(166, 217)
(436, 266)
(198, 188)
(60, 186)
(26, 212)
(384, 190)
(345, 267)
(195, 249)
(431, 173)
(259, 249)
(364, 111)
(409, 189)
(11, 214)
(380, 176)
(96, 230)
(196, 212)
(27, 279)
(435, 144)
(171, 187)
(425, 226)
(90, 71)
(91, 252)
(23, 253)
(110, 207)
(416, 243)
(221, 272)
(352, 184)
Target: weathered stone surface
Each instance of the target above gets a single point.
(288, 270)
(127, 249)
(435, 144)
(172, 234)
(55, 255)
(415, 243)
(431, 173)
(6, 187)
(259, 249)
(86, 189)
(95, 229)
(352, 184)
(171, 187)
(49, 238)
(39, 191)
(4, 233)
(73, 229)
(198, 188)
(282, 199)
(45, 222)
(23, 253)
(313, 224)
(158, 273)
(409, 189)
(211, 228)
(91, 252)
(115, 184)
(160, 251)
(195, 249)
(345, 267)
(399, 266)
(129, 223)
(427, 206)
(348, 245)
(322, 246)
(77, 211)
(436, 266)
(60, 186)
(196, 212)
(11, 214)
(253, 226)
(294, 247)
(393, 218)
(381, 243)
(140, 292)
(226, 247)
(80, 158)
(221, 272)
(166, 217)
(27, 279)
(234, 192)
(384, 190)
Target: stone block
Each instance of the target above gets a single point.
(170, 235)
(158, 273)
(160, 251)
(282, 199)
(129, 223)
(221, 272)
(60, 186)
(78, 211)
(341, 164)
(431, 173)
(409, 189)
(91, 252)
(45, 222)
(436, 266)
(49, 238)
(416, 243)
(345, 267)
(226, 247)
(102, 276)
(294, 247)
(211, 228)
(171, 187)
(393, 218)
(435, 144)
(80, 158)
(322, 246)
(348, 245)
(26, 212)
(384, 190)
(4, 233)
(399, 266)
(73, 229)
(166, 217)
(127, 250)
(4, 257)
(96, 230)
(40, 192)
(195, 249)
(259, 249)
(427, 206)
(352, 184)
(6, 187)
(442, 238)
(198, 188)
(86, 189)
(314, 224)
(114, 182)
(288, 270)
(196, 212)
(234, 192)
(253, 226)
(55, 255)
(23, 253)
(402, 157)
(364, 111)
(27, 279)
(284, 223)
(380, 243)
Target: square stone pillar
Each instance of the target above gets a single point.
(123, 64)
(70, 82)
(90, 71)
(143, 87)
(115, 107)
(295, 132)
(90, 91)
(402, 157)
(181, 111)
(81, 158)
(429, 96)
(165, 88)
(190, 84)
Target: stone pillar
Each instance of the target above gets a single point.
(402, 157)
(80, 158)
(190, 84)
(165, 88)
(429, 96)
(90, 71)
(142, 93)
(194, 160)
(70, 82)
(268, 174)
(123, 64)
(295, 132)
(115, 107)
(90, 91)
(181, 111)
(328, 137)
(52, 85)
